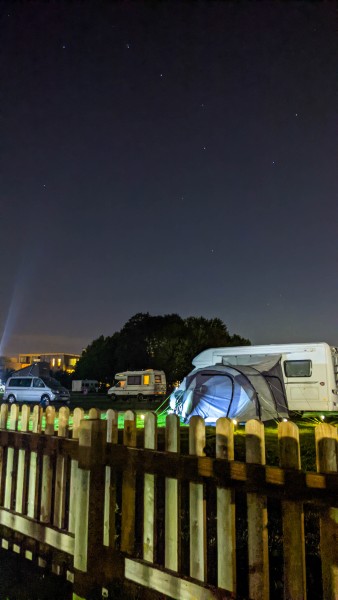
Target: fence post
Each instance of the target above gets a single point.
(150, 441)
(89, 496)
(128, 487)
(257, 518)
(110, 483)
(226, 533)
(172, 516)
(326, 437)
(293, 518)
(197, 504)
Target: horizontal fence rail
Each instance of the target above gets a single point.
(171, 509)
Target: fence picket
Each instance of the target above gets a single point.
(33, 477)
(226, 533)
(78, 415)
(20, 497)
(61, 472)
(128, 487)
(150, 442)
(197, 504)
(293, 517)
(172, 517)
(257, 518)
(326, 437)
(110, 483)
(3, 425)
(47, 471)
(10, 466)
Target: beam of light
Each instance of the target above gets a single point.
(22, 284)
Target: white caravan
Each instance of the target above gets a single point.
(310, 371)
(139, 384)
(85, 385)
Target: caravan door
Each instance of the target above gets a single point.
(303, 379)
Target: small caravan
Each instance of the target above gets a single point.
(260, 381)
(85, 386)
(138, 384)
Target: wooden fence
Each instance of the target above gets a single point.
(167, 509)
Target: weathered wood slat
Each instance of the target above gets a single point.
(20, 497)
(172, 517)
(257, 518)
(168, 584)
(293, 518)
(128, 487)
(326, 437)
(38, 531)
(10, 467)
(3, 425)
(197, 505)
(226, 533)
(78, 415)
(149, 539)
(61, 472)
(47, 471)
(109, 530)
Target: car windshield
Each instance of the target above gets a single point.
(50, 382)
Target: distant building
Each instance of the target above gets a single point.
(58, 361)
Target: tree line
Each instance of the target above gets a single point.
(166, 342)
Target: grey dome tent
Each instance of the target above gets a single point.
(241, 392)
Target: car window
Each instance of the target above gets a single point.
(38, 383)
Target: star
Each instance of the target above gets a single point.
(128, 46)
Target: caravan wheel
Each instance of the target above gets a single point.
(140, 397)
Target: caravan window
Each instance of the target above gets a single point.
(298, 368)
(158, 379)
(134, 380)
(146, 379)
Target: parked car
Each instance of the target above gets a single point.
(37, 390)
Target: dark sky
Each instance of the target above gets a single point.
(167, 157)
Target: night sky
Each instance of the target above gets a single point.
(167, 158)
